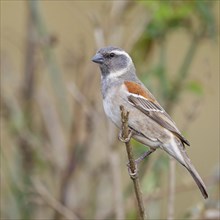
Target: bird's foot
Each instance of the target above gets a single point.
(125, 140)
(144, 155)
(133, 174)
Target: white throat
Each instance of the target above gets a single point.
(115, 74)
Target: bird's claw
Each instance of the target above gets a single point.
(133, 174)
(125, 140)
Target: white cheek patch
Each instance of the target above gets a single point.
(115, 74)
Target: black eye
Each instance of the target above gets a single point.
(111, 54)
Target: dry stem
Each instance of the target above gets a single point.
(136, 182)
(52, 202)
(172, 181)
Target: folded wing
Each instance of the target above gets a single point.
(153, 110)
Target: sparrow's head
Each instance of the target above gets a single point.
(113, 62)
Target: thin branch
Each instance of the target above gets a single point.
(55, 74)
(51, 201)
(30, 59)
(136, 182)
(118, 195)
(172, 183)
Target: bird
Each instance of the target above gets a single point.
(148, 122)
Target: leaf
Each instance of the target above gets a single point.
(195, 87)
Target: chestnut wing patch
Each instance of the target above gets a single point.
(137, 89)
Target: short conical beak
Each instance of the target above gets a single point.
(98, 58)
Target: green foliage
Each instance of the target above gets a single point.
(196, 17)
(206, 17)
(167, 15)
(195, 87)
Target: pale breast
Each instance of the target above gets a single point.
(111, 109)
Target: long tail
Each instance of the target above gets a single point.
(197, 179)
(177, 150)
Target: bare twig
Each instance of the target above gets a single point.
(136, 182)
(51, 201)
(172, 181)
(50, 61)
(118, 196)
(30, 59)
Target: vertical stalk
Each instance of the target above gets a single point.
(171, 190)
(136, 182)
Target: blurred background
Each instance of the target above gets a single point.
(60, 156)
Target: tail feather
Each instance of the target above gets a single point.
(177, 150)
(197, 178)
